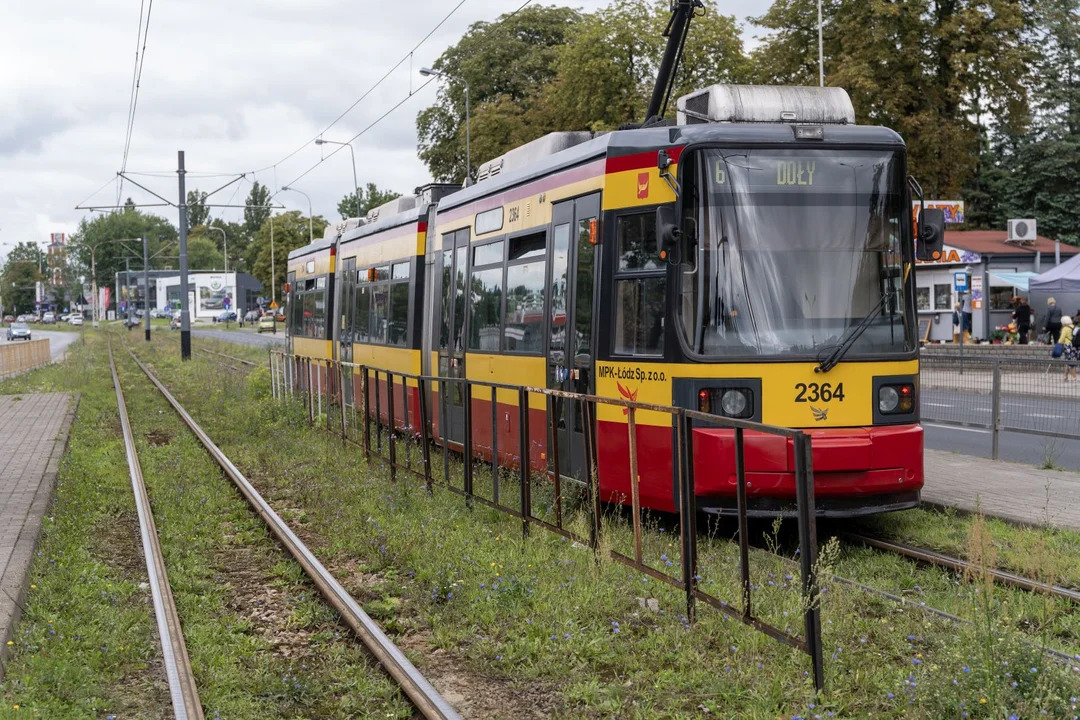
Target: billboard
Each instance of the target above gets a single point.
(56, 238)
(954, 210)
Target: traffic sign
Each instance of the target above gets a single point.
(960, 281)
(273, 305)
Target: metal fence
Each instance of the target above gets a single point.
(15, 357)
(1029, 396)
(389, 417)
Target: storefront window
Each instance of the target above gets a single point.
(922, 298)
(943, 296)
(1001, 297)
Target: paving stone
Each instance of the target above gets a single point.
(1014, 492)
(33, 434)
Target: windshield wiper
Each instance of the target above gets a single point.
(854, 334)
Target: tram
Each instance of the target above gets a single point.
(755, 259)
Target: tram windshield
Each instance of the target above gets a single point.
(788, 251)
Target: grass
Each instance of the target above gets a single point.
(563, 634)
(261, 641)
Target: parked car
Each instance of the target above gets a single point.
(267, 322)
(76, 320)
(18, 331)
(49, 318)
(174, 323)
(8, 319)
(225, 316)
(252, 316)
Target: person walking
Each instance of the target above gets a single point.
(1069, 352)
(1022, 316)
(956, 322)
(1053, 320)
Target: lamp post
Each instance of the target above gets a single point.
(426, 72)
(224, 244)
(356, 184)
(311, 226)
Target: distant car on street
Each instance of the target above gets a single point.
(9, 319)
(252, 316)
(49, 319)
(76, 320)
(267, 322)
(225, 316)
(18, 331)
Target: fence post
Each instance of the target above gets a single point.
(592, 478)
(804, 488)
(467, 448)
(341, 400)
(378, 415)
(553, 426)
(390, 424)
(688, 513)
(744, 537)
(426, 433)
(995, 413)
(635, 495)
(365, 387)
(494, 446)
(523, 448)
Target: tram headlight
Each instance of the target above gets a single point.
(735, 403)
(896, 399)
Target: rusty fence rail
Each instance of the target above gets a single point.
(1022, 395)
(398, 418)
(15, 357)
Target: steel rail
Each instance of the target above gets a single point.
(415, 686)
(182, 688)
(933, 557)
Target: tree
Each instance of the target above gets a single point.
(290, 232)
(18, 281)
(502, 61)
(369, 197)
(197, 212)
(104, 233)
(203, 254)
(257, 209)
(236, 239)
(933, 70)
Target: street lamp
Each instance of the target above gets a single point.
(311, 226)
(224, 244)
(426, 72)
(356, 185)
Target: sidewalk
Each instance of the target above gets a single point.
(1014, 492)
(33, 434)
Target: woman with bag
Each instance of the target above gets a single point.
(1068, 350)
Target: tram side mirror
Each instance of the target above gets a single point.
(931, 238)
(667, 230)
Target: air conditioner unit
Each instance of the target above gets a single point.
(1022, 232)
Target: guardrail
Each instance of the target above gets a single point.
(389, 416)
(16, 357)
(999, 394)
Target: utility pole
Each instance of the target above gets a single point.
(185, 319)
(127, 289)
(146, 286)
(820, 49)
(273, 281)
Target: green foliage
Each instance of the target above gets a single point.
(197, 212)
(357, 204)
(203, 253)
(290, 231)
(104, 234)
(257, 208)
(18, 289)
(235, 237)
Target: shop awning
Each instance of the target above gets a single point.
(1016, 279)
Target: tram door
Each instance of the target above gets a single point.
(290, 314)
(346, 314)
(572, 325)
(453, 274)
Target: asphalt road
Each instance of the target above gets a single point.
(1024, 412)
(58, 339)
(265, 339)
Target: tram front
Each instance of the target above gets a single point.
(793, 251)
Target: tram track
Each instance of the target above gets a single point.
(424, 697)
(183, 690)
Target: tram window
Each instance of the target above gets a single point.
(528, 246)
(447, 286)
(382, 273)
(486, 287)
(559, 263)
(523, 322)
(309, 315)
(488, 254)
(318, 317)
(381, 316)
(639, 316)
(399, 314)
(637, 242)
(363, 314)
(400, 271)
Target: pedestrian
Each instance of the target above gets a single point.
(1053, 321)
(956, 322)
(967, 318)
(1022, 316)
(1069, 351)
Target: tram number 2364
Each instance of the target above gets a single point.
(813, 392)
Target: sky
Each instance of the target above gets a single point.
(237, 84)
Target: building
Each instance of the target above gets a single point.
(998, 272)
(57, 259)
(207, 291)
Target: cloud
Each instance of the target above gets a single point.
(236, 85)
